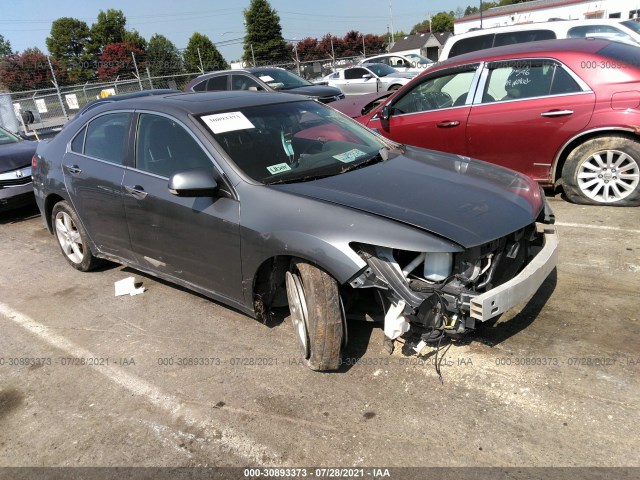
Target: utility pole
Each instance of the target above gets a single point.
(393, 39)
(480, 13)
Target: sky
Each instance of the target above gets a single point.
(27, 23)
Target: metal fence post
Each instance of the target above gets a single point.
(137, 72)
(200, 59)
(149, 77)
(55, 84)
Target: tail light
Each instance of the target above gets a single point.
(34, 161)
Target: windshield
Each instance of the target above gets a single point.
(632, 24)
(280, 79)
(291, 142)
(380, 69)
(6, 137)
(418, 59)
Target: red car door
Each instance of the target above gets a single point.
(432, 113)
(527, 111)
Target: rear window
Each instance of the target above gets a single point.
(621, 52)
(472, 44)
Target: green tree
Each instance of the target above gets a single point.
(422, 27)
(133, 36)
(162, 56)
(109, 28)
(5, 47)
(69, 43)
(264, 34)
(212, 59)
(442, 22)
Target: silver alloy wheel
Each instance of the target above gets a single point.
(299, 315)
(69, 237)
(608, 176)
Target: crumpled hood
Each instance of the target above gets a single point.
(16, 155)
(466, 201)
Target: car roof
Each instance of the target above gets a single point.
(198, 103)
(540, 48)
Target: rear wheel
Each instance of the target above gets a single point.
(393, 88)
(604, 171)
(317, 315)
(72, 238)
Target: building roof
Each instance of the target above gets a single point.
(418, 41)
(518, 8)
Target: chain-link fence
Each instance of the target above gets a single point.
(49, 109)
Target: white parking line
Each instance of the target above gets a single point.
(596, 227)
(235, 441)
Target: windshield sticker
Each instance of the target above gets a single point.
(266, 78)
(227, 122)
(350, 156)
(279, 168)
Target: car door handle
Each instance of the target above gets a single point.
(448, 124)
(136, 191)
(74, 169)
(557, 113)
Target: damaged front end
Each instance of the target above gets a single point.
(438, 294)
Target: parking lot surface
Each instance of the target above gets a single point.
(170, 378)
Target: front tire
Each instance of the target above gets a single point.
(604, 171)
(72, 238)
(317, 315)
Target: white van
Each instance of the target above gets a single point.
(627, 31)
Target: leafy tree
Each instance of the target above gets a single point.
(69, 43)
(212, 59)
(471, 10)
(5, 47)
(264, 33)
(28, 71)
(422, 27)
(309, 49)
(162, 55)
(116, 60)
(375, 43)
(133, 36)
(110, 28)
(442, 22)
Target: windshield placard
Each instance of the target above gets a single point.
(279, 168)
(349, 156)
(227, 122)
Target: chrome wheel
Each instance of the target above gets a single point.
(299, 314)
(608, 176)
(69, 237)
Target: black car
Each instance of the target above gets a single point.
(15, 170)
(263, 79)
(262, 200)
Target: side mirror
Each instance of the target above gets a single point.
(198, 182)
(367, 76)
(386, 113)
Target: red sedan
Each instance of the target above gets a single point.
(565, 112)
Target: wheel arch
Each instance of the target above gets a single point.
(49, 203)
(574, 142)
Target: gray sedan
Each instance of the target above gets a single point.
(274, 200)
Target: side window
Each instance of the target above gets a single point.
(200, 87)
(106, 136)
(521, 37)
(518, 80)
(78, 141)
(563, 82)
(217, 83)
(471, 44)
(243, 82)
(164, 147)
(355, 73)
(436, 93)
